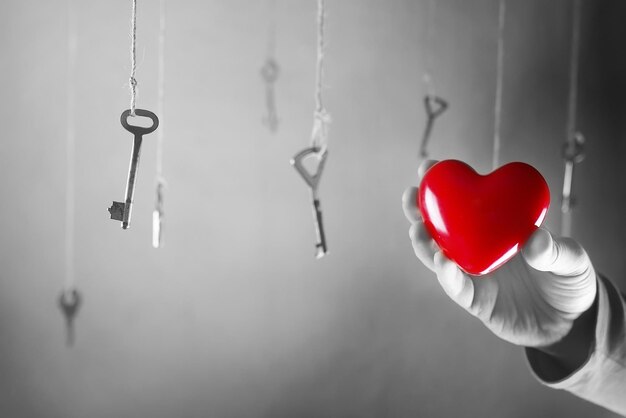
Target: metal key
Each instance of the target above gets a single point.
(69, 303)
(157, 216)
(573, 153)
(121, 211)
(312, 180)
(269, 73)
(434, 106)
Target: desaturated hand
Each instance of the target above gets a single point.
(532, 300)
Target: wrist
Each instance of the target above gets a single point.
(573, 350)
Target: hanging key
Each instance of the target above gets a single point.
(157, 216)
(434, 106)
(573, 153)
(312, 180)
(69, 303)
(269, 73)
(121, 211)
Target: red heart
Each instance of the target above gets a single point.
(480, 222)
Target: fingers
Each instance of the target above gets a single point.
(424, 167)
(559, 255)
(409, 197)
(457, 285)
(409, 205)
(423, 245)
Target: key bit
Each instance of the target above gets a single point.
(69, 303)
(121, 211)
(312, 180)
(434, 106)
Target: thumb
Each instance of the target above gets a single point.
(561, 256)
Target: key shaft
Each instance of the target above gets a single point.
(320, 246)
(132, 176)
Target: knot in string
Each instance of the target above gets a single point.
(319, 136)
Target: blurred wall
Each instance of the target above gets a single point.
(234, 317)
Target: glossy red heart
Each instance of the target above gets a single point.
(481, 221)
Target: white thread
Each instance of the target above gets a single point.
(70, 138)
(133, 58)
(321, 118)
(270, 71)
(427, 78)
(161, 92)
(497, 110)
(573, 74)
(158, 213)
(570, 127)
(271, 38)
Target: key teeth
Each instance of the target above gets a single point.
(320, 252)
(117, 211)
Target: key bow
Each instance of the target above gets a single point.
(312, 179)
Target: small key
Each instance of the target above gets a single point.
(121, 211)
(434, 106)
(157, 217)
(69, 303)
(573, 153)
(269, 73)
(312, 180)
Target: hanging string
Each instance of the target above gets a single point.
(573, 148)
(133, 58)
(70, 298)
(497, 110)
(572, 101)
(70, 147)
(321, 118)
(427, 78)
(270, 72)
(158, 213)
(433, 104)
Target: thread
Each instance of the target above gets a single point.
(133, 58)
(70, 149)
(321, 118)
(572, 101)
(158, 213)
(160, 91)
(571, 123)
(497, 110)
(427, 77)
(270, 72)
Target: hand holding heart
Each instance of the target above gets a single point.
(532, 299)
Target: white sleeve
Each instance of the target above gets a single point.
(602, 378)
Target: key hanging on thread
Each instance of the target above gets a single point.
(319, 140)
(158, 213)
(270, 72)
(497, 108)
(121, 211)
(573, 148)
(433, 104)
(69, 299)
(69, 303)
(434, 107)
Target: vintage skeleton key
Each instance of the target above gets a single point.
(434, 106)
(312, 180)
(157, 217)
(573, 153)
(121, 211)
(269, 73)
(69, 303)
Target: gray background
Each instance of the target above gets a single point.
(234, 317)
